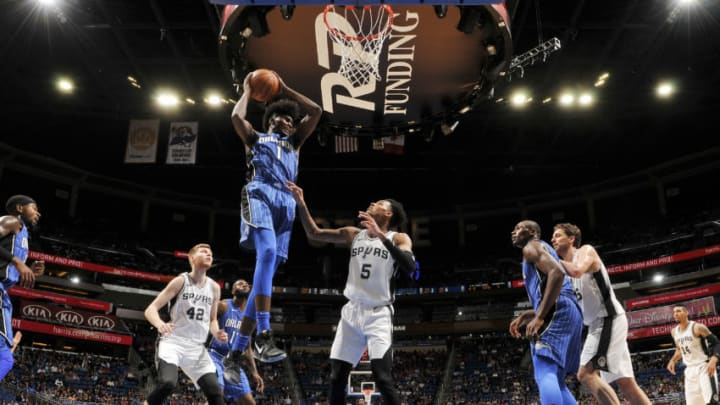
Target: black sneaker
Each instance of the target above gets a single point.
(265, 349)
(234, 362)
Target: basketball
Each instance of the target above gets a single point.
(264, 85)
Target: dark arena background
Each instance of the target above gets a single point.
(116, 120)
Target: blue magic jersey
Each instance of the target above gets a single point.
(561, 336)
(535, 280)
(230, 322)
(17, 244)
(273, 159)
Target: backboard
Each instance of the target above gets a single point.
(439, 61)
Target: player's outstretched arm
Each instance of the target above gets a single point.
(343, 235)
(152, 313)
(587, 261)
(242, 126)
(311, 109)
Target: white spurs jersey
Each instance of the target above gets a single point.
(591, 296)
(191, 311)
(690, 345)
(370, 271)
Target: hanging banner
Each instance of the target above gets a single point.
(142, 141)
(73, 333)
(182, 143)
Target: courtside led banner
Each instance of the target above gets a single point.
(73, 333)
(100, 268)
(702, 307)
(664, 330)
(76, 302)
(44, 312)
(660, 261)
(709, 290)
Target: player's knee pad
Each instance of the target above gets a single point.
(211, 388)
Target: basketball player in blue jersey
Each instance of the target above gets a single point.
(229, 317)
(376, 253)
(268, 209)
(181, 343)
(554, 325)
(14, 248)
(605, 356)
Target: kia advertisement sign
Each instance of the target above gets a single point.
(72, 317)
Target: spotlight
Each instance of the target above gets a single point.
(441, 10)
(665, 90)
(658, 278)
(47, 3)
(167, 99)
(213, 100)
(567, 99)
(190, 101)
(520, 99)
(65, 85)
(75, 279)
(604, 76)
(600, 83)
(585, 99)
(287, 11)
(447, 128)
(547, 100)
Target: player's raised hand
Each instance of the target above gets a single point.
(368, 222)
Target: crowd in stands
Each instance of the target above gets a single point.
(486, 369)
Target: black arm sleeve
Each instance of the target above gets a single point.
(404, 259)
(713, 345)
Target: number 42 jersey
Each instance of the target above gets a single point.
(191, 310)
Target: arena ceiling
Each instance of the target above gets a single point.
(495, 152)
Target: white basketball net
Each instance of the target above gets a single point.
(360, 33)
